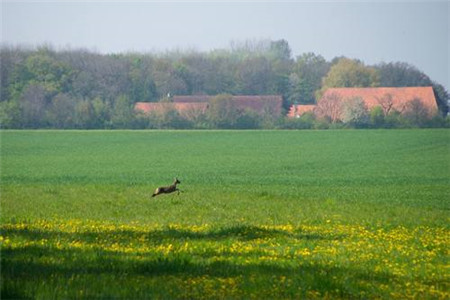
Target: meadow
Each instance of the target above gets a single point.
(263, 214)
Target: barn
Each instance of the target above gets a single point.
(266, 104)
(261, 104)
(388, 98)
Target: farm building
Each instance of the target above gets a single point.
(270, 104)
(260, 104)
(388, 98)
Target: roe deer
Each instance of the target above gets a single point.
(167, 189)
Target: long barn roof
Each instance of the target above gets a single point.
(400, 95)
(266, 104)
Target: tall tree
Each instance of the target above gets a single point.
(53, 75)
(85, 116)
(255, 76)
(33, 105)
(142, 86)
(123, 112)
(280, 50)
(61, 111)
(355, 112)
(350, 73)
(281, 61)
(306, 78)
(329, 108)
(11, 59)
(222, 113)
(399, 74)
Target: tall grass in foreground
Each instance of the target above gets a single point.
(335, 214)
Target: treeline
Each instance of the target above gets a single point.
(45, 88)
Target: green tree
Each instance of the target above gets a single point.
(442, 98)
(355, 112)
(377, 117)
(123, 112)
(102, 112)
(394, 120)
(306, 78)
(220, 74)
(9, 114)
(399, 74)
(167, 117)
(10, 72)
(350, 73)
(416, 113)
(255, 76)
(85, 114)
(281, 63)
(84, 85)
(222, 113)
(33, 104)
(248, 120)
(167, 79)
(61, 111)
(280, 50)
(53, 75)
(196, 71)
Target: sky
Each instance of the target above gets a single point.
(416, 32)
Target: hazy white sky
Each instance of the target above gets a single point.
(415, 32)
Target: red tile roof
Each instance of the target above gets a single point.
(296, 111)
(260, 104)
(189, 106)
(389, 98)
(147, 107)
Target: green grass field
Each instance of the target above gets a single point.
(263, 214)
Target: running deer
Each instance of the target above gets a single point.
(167, 189)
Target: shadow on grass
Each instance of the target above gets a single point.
(32, 264)
(242, 232)
(37, 264)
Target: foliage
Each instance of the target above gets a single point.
(416, 112)
(349, 73)
(168, 117)
(222, 113)
(377, 117)
(123, 112)
(355, 112)
(305, 121)
(61, 111)
(306, 78)
(36, 84)
(9, 114)
(264, 214)
(330, 108)
(33, 104)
